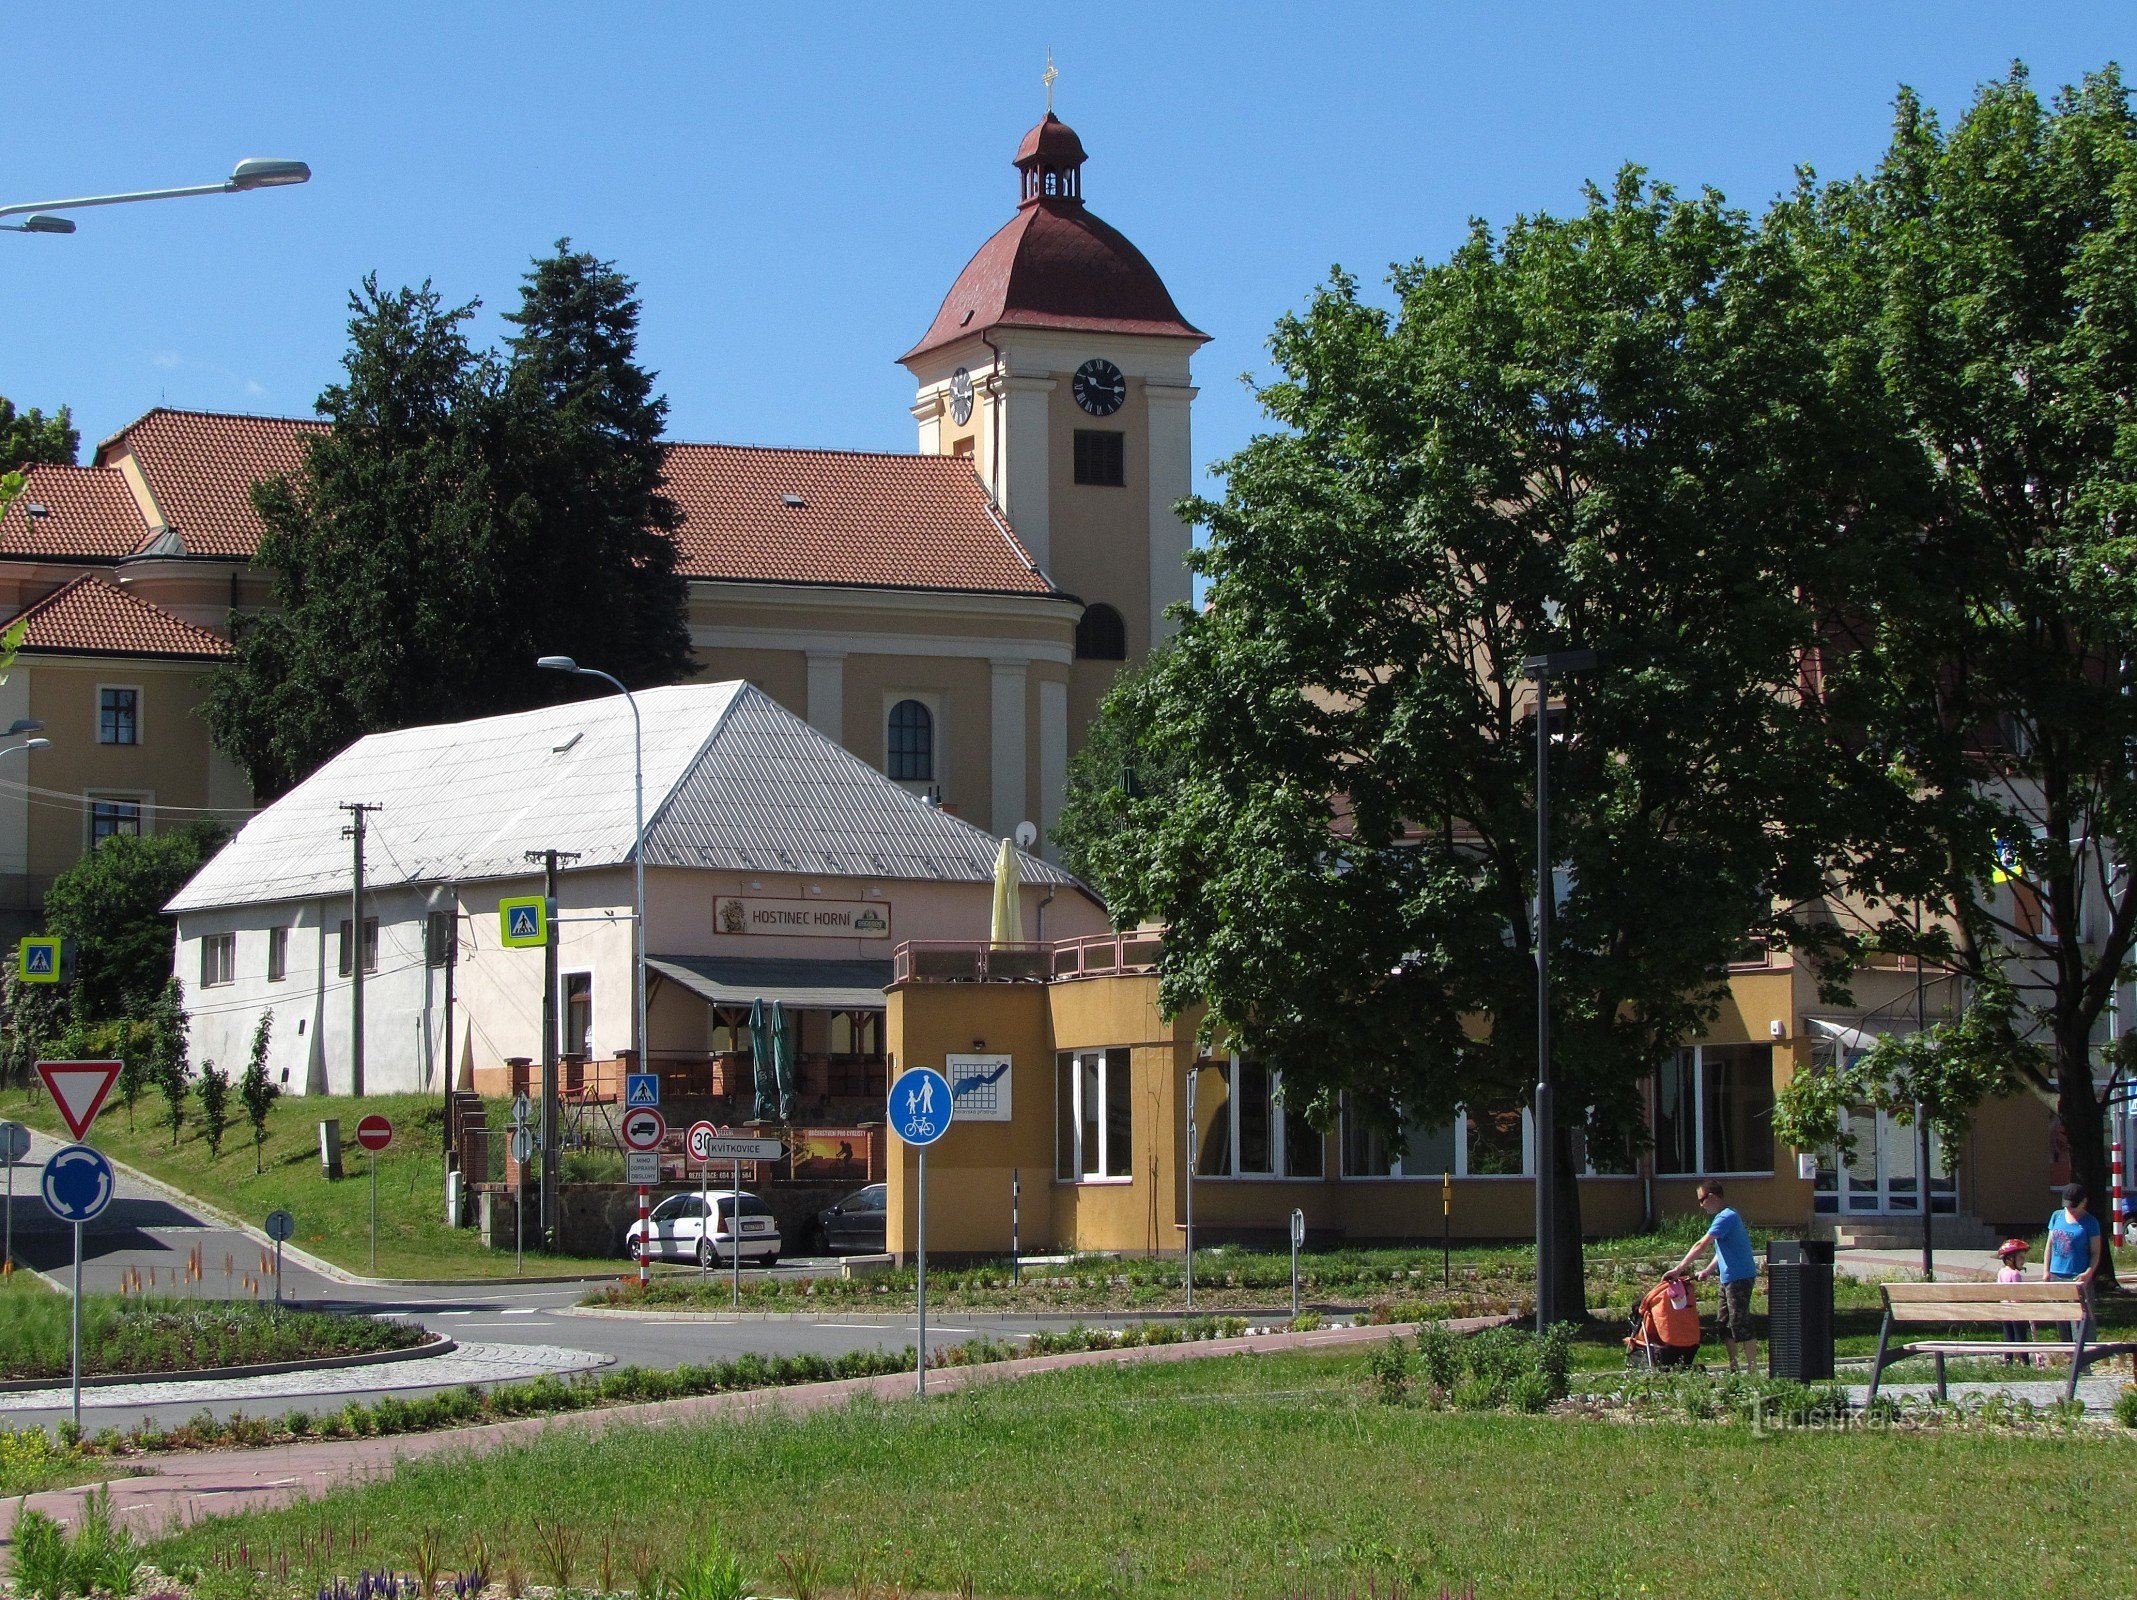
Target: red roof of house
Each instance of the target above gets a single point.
(1054, 265)
(75, 513)
(877, 521)
(201, 466)
(94, 616)
(870, 520)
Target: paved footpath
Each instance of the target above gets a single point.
(183, 1488)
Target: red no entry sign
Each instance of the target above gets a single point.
(374, 1132)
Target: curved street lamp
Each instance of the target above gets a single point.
(256, 173)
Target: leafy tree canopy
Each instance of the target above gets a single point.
(110, 905)
(463, 514)
(30, 438)
(1613, 432)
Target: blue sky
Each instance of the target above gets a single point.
(795, 187)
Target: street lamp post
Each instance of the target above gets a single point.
(1540, 670)
(639, 1036)
(244, 178)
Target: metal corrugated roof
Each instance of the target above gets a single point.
(771, 794)
(733, 780)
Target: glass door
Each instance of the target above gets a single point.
(1882, 1177)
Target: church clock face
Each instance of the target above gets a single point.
(960, 397)
(1099, 388)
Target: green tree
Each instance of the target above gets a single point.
(257, 1091)
(110, 902)
(1613, 432)
(1984, 282)
(169, 1067)
(30, 438)
(459, 517)
(34, 1017)
(601, 580)
(213, 1088)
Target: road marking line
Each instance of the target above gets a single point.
(521, 1311)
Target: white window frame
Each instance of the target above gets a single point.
(1279, 1134)
(1461, 1156)
(932, 699)
(142, 800)
(225, 968)
(1698, 1053)
(1092, 1170)
(96, 715)
(277, 940)
(368, 938)
(565, 1046)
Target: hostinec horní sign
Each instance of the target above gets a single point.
(822, 919)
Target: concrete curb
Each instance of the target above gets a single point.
(181, 1488)
(902, 1309)
(436, 1344)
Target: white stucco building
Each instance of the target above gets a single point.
(778, 866)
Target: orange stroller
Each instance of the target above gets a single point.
(1665, 1327)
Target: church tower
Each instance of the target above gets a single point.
(1059, 364)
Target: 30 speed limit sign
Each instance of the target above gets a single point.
(643, 1129)
(701, 1136)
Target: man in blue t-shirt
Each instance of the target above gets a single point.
(1739, 1270)
(2073, 1254)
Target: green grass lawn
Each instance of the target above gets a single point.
(1252, 1476)
(333, 1219)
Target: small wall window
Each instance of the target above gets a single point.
(277, 954)
(1102, 457)
(1094, 1116)
(118, 716)
(1101, 635)
(911, 743)
(370, 946)
(218, 959)
(109, 816)
(438, 939)
(577, 1020)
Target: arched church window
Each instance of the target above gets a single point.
(1101, 635)
(912, 742)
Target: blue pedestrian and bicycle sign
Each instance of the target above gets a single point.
(78, 1184)
(641, 1089)
(920, 1108)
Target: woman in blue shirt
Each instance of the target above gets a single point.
(2073, 1254)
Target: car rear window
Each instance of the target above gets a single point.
(751, 1206)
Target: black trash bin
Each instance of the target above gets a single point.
(1799, 1301)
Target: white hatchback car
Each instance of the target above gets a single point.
(680, 1232)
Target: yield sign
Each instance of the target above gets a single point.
(78, 1090)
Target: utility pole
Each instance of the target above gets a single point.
(354, 832)
(548, 1223)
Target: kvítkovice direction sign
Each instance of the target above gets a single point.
(811, 919)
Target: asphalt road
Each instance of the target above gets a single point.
(143, 1229)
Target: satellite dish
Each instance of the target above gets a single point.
(1027, 835)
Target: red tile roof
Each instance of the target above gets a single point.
(94, 616)
(88, 513)
(877, 521)
(871, 520)
(201, 465)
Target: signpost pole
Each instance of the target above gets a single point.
(10, 1256)
(77, 1379)
(278, 1274)
(519, 1225)
(645, 1236)
(1016, 1253)
(1298, 1231)
(920, 1362)
(705, 1215)
(734, 1237)
(1187, 1182)
(374, 1213)
(1446, 1230)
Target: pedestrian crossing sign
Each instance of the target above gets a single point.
(523, 923)
(38, 960)
(641, 1089)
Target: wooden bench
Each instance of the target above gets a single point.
(2033, 1304)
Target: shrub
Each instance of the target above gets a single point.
(1476, 1394)
(1530, 1391)
(1439, 1355)
(1391, 1366)
(712, 1573)
(41, 1568)
(2126, 1406)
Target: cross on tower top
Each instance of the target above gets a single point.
(1048, 76)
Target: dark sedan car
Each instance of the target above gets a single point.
(855, 1224)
